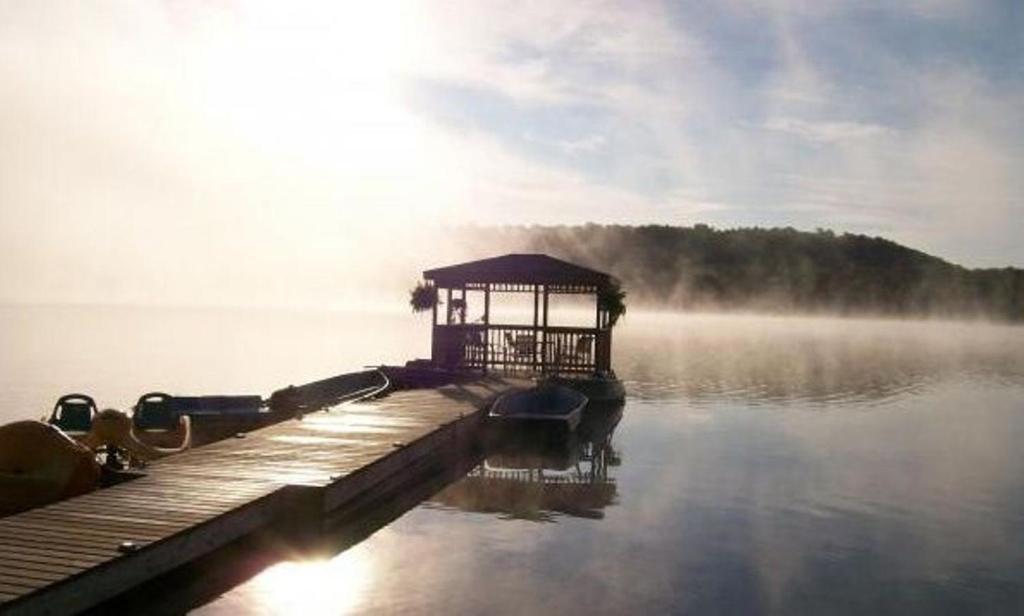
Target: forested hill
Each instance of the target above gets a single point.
(769, 269)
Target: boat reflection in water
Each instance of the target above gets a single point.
(523, 477)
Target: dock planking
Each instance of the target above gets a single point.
(65, 557)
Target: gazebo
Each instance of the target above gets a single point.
(538, 347)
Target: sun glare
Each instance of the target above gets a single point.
(318, 96)
(322, 83)
(335, 586)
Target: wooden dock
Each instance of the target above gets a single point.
(72, 555)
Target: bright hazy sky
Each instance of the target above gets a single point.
(162, 150)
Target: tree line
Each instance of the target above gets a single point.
(778, 269)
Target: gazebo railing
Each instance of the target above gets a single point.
(522, 347)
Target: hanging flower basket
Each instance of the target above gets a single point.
(613, 300)
(423, 297)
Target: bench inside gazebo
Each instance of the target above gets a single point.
(540, 347)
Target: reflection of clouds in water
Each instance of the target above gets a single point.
(774, 360)
(922, 510)
(914, 512)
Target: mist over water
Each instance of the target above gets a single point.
(811, 361)
(761, 464)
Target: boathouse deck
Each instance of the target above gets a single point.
(69, 556)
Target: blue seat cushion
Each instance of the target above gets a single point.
(156, 415)
(75, 417)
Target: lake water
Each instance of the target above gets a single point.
(761, 465)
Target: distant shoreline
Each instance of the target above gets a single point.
(770, 271)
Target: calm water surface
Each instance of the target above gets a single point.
(761, 465)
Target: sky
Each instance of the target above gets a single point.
(235, 151)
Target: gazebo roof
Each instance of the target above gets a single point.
(519, 269)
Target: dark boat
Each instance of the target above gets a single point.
(157, 416)
(421, 373)
(600, 387)
(546, 407)
(297, 399)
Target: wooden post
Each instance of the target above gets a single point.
(536, 317)
(433, 311)
(487, 303)
(545, 319)
(544, 344)
(597, 302)
(487, 325)
(435, 337)
(448, 308)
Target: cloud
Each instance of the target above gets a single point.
(826, 132)
(820, 8)
(271, 140)
(548, 53)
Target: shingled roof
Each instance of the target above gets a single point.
(519, 269)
